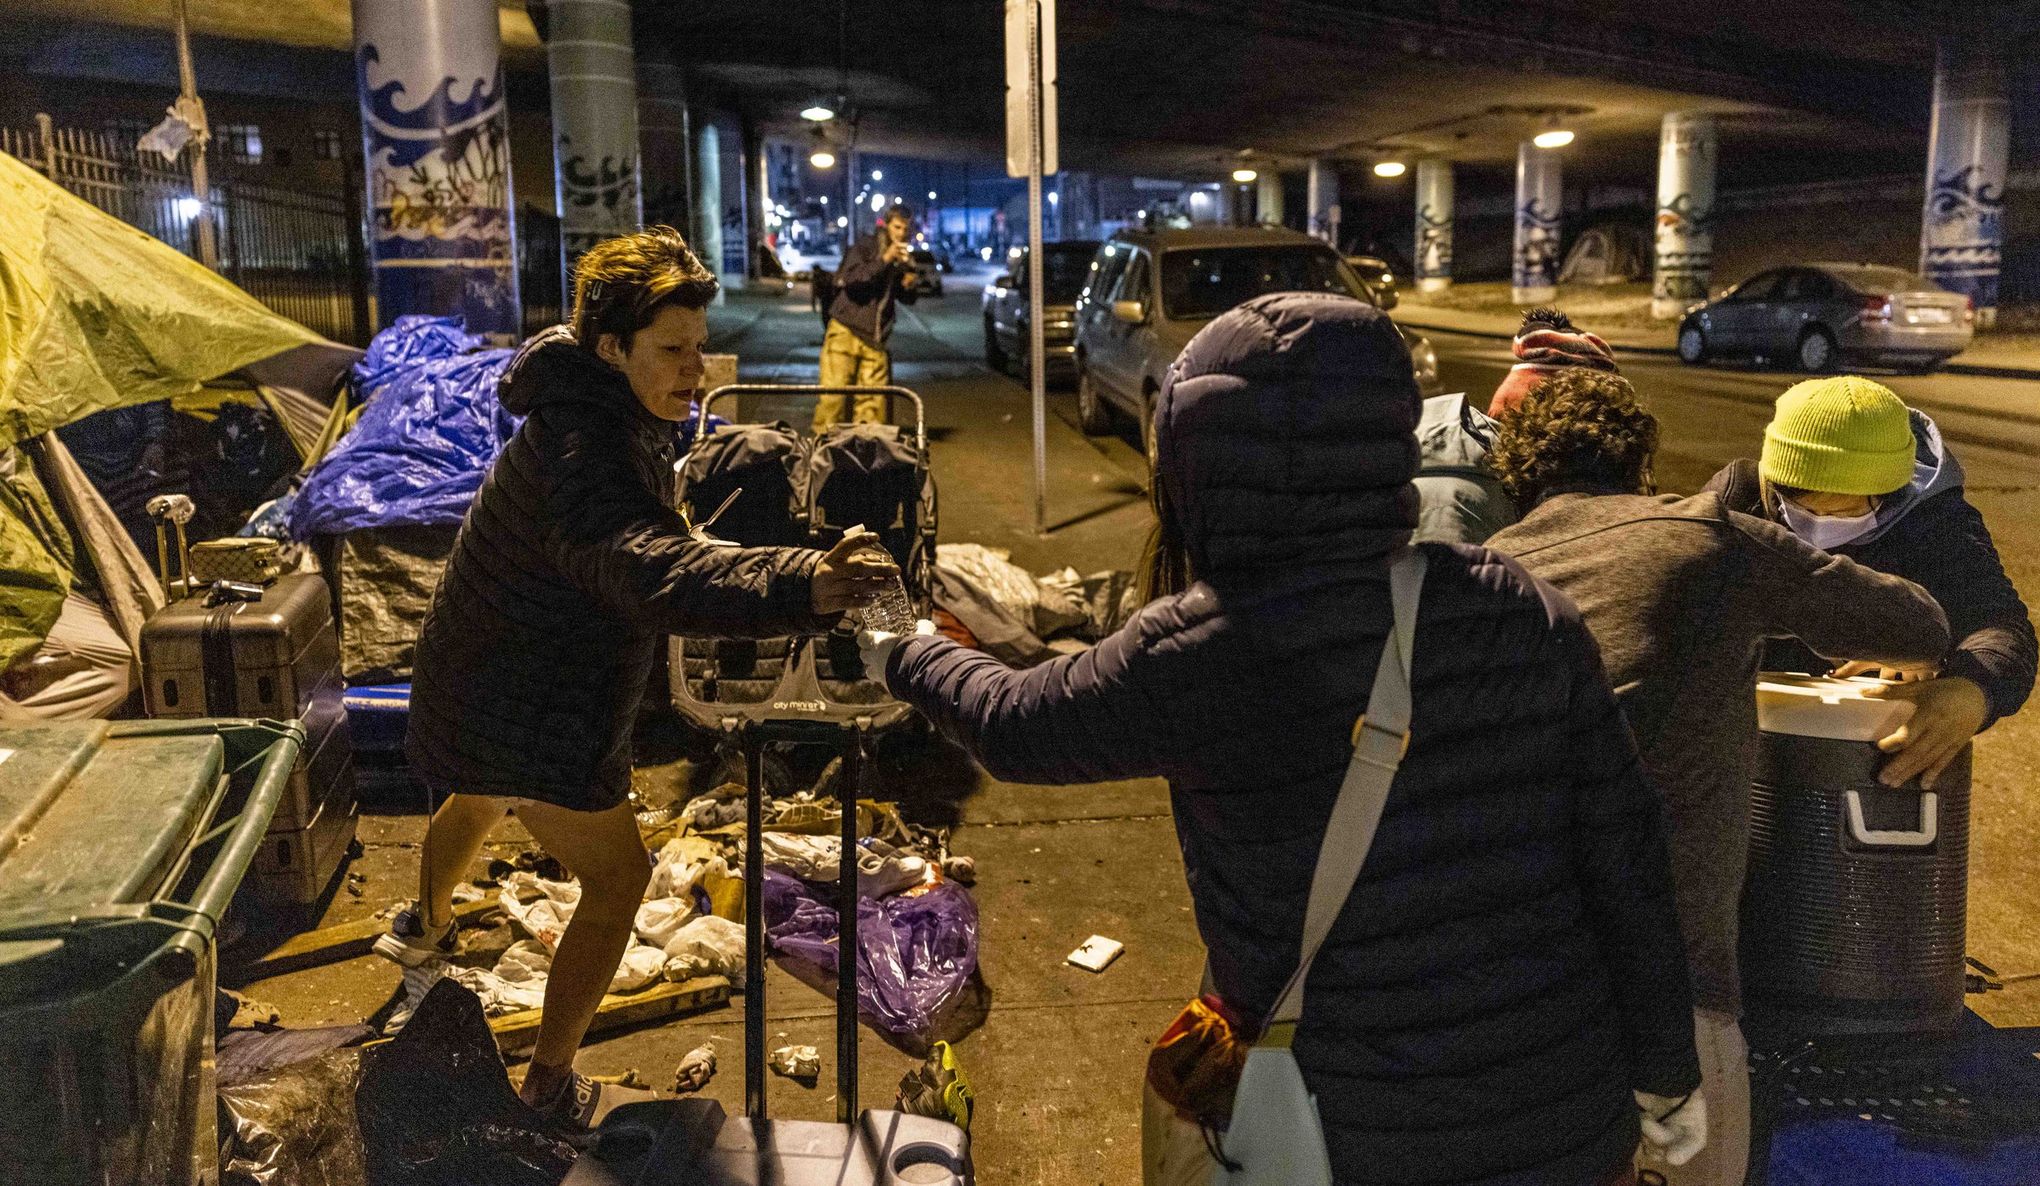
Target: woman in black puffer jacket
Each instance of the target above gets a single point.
(1508, 969)
(571, 566)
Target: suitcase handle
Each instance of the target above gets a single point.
(752, 736)
(1930, 824)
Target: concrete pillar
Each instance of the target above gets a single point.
(595, 131)
(1684, 239)
(1534, 275)
(1268, 197)
(1324, 201)
(436, 141)
(664, 162)
(1434, 225)
(757, 198)
(708, 244)
(1962, 228)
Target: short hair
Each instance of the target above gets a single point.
(621, 284)
(1578, 426)
(899, 210)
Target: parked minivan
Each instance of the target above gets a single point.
(1149, 292)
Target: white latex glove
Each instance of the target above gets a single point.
(876, 648)
(1676, 1129)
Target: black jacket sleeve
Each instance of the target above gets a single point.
(1625, 876)
(615, 541)
(1944, 545)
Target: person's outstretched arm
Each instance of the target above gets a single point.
(1081, 718)
(1626, 879)
(1834, 605)
(1994, 644)
(632, 555)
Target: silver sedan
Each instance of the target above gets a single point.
(1818, 316)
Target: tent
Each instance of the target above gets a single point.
(97, 316)
(1611, 253)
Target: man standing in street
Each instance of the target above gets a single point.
(874, 276)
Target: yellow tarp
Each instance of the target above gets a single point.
(95, 314)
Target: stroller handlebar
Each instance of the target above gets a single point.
(736, 389)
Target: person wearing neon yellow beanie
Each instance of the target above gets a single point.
(1850, 469)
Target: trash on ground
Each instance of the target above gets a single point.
(937, 1088)
(660, 919)
(696, 1068)
(803, 1063)
(706, 946)
(1096, 953)
(916, 951)
(1007, 612)
(294, 1124)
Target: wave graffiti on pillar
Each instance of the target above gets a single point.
(1685, 250)
(1537, 246)
(439, 180)
(1964, 219)
(607, 190)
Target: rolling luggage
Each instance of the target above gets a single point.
(267, 652)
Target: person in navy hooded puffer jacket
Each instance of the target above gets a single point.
(1508, 970)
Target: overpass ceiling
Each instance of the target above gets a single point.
(1188, 87)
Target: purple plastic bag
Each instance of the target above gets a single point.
(914, 954)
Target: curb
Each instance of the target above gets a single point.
(1977, 369)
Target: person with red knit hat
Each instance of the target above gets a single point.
(1460, 499)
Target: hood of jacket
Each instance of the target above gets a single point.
(1935, 471)
(552, 368)
(1452, 434)
(1286, 433)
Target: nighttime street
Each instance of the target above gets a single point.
(1323, 593)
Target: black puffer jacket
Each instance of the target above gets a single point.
(571, 566)
(1509, 965)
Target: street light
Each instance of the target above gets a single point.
(931, 195)
(818, 113)
(878, 175)
(1244, 175)
(877, 203)
(1390, 169)
(842, 221)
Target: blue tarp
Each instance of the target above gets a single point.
(431, 428)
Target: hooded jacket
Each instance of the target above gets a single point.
(570, 566)
(1928, 533)
(1462, 502)
(1508, 967)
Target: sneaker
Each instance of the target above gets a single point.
(582, 1104)
(410, 943)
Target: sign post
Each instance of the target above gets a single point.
(1031, 152)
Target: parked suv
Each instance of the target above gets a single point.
(1149, 292)
(1005, 307)
(1820, 315)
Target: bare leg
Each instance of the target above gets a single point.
(604, 850)
(452, 840)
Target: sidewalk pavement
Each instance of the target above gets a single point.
(2007, 356)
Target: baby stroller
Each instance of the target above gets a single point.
(763, 485)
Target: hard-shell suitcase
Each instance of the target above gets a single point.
(273, 655)
(872, 1147)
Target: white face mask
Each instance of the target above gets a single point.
(1826, 532)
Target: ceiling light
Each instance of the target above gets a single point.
(823, 159)
(1390, 169)
(818, 114)
(1553, 138)
(1244, 175)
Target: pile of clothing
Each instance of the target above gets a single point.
(985, 601)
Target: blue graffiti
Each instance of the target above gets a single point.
(439, 119)
(1959, 196)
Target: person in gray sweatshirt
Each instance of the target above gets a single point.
(1681, 593)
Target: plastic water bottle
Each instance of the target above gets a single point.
(893, 612)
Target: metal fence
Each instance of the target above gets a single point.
(301, 254)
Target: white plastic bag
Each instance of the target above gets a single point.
(661, 919)
(707, 946)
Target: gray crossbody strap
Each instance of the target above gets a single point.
(1379, 740)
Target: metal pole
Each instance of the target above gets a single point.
(1036, 351)
(187, 85)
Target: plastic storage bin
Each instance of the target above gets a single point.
(121, 845)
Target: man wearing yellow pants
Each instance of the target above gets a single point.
(874, 278)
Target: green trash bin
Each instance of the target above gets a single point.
(121, 844)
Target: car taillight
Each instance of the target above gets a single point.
(1877, 308)
(1969, 308)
